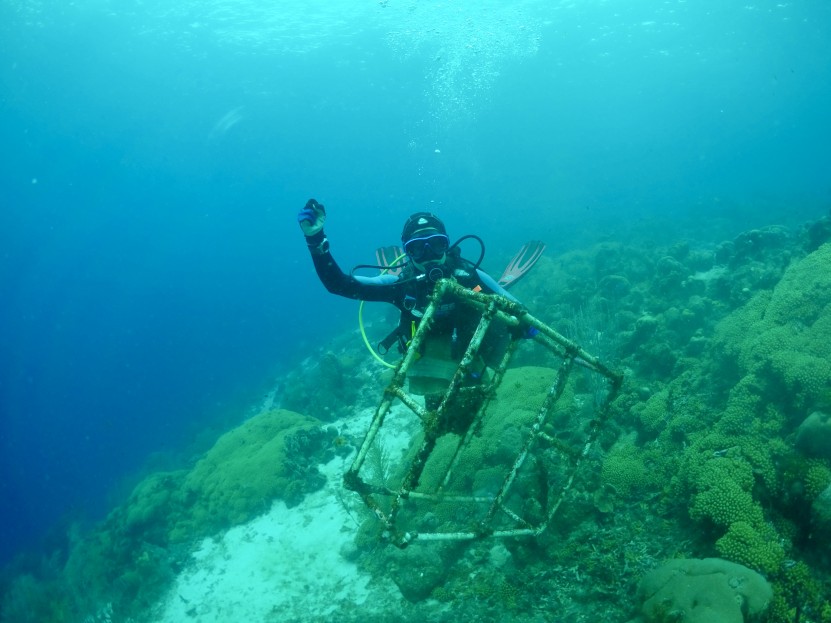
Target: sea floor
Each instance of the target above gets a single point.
(283, 566)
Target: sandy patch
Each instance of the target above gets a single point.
(283, 566)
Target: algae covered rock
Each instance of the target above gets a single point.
(822, 510)
(813, 436)
(328, 385)
(417, 571)
(710, 590)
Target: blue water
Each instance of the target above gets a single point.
(154, 283)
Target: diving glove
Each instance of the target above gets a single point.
(311, 218)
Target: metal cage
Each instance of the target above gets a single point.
(469, 470)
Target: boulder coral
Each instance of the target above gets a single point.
(270, 456)
(813, 435)
(710, 590)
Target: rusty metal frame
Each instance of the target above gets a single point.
(492, 308)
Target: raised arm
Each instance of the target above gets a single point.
(311, 219)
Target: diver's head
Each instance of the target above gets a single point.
(425, 241)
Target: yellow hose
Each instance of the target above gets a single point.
(361, 319)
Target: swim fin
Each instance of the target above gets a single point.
(390, 258)
(521, 263)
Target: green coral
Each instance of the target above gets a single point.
(746, 545)
(763, 455)
(625, 471)
(803, 375)
(750, 428)
(817, 478)
(152, 501)
(726, 503)
(735, 329)
(798, 586)
(744, 405)
(782, 336)
(717, 469)
(246, 469)
(654, 413)
(725, 499)
(804, 291)
(130, 560)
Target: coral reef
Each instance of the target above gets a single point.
(718, 446)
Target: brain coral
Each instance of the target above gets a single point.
(703, 591)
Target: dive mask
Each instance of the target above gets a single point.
(427, 248)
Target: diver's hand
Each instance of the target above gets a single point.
(312, 217)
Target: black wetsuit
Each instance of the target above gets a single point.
(409, 291)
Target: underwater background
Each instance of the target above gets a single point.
(155, 286)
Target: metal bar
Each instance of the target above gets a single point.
(563, 448)
(467, 359)
(554, 393)
(351, 476)
(461, 372)
(517, 519)
(465, 535)
(444, 497)
(431, 421)
(570, 347)
(410, 480)
(596, 426)
(393, 389)
(521, 315)
(352, 479)
(408, 400)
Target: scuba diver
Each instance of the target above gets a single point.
(429, 258)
